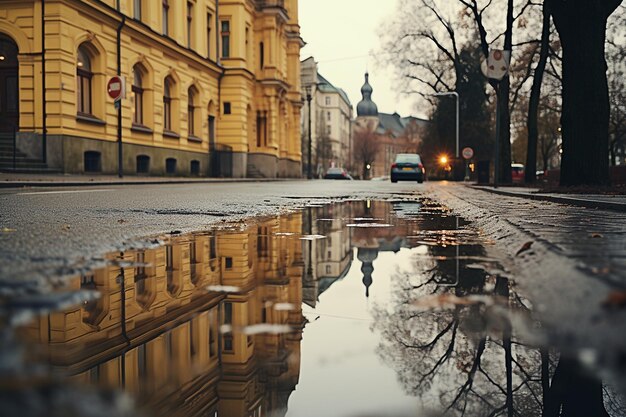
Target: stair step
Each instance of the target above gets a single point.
(29, 170)
(22, 159)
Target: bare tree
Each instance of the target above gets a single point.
(366, 145)
(530, 173)
(616, 54)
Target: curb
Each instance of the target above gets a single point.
(587, 203)
(43, 184)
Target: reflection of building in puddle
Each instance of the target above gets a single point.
(370, 241)
(332, 257)
(326, 260)
(154, 330)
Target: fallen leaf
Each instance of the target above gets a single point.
(7, 230)
(596, 235)
(450, 300)
(615, 299)
(66, 227)
(524, 247)
(600, 271)
(120, 221)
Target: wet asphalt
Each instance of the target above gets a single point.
(566, 264)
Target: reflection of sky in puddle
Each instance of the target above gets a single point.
(339, 358)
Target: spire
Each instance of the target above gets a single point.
(366, 107)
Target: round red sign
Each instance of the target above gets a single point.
(467, 153)
(115, 87)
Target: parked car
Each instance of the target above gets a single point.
(337, 173)
(517, 173)
(407, 167)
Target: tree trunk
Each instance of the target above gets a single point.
(505, 112)
(585, 120)
(573, 393)
(530, 173)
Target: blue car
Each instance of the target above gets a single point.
(407, 167)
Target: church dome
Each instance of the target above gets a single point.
(366, 107)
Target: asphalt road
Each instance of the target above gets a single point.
(50, 231)
(572, 264)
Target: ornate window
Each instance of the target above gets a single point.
(167, 104)
(225, 38)
(84, 76)
(191, 112)
(138, 96)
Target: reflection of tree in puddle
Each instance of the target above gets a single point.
(470, 349)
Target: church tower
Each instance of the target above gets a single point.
(366, 107)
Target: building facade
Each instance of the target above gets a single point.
(331, 115)
(211, 86)
(379, 137)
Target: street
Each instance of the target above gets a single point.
(436, 298)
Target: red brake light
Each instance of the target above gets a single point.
(394, 165)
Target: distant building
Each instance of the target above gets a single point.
(390, 133)
(212, 87)
(331, 113)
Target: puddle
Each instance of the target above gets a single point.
(356, 309)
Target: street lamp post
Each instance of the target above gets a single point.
(455, 94)
(308, 100)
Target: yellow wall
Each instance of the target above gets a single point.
(238, 80)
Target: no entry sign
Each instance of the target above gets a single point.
(467, 153)
(115, 88)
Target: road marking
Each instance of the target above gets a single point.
(66, 192)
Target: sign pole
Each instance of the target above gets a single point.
(496, 67)
(120, 166)
(116, 88)
(496, 171)
(468, 153)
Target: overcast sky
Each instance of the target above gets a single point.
(340, 35)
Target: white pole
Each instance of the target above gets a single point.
(457, 123)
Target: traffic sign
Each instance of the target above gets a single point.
(468, 153)
(115, 88)
(496, 66)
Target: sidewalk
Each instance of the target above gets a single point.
(19, 180)
(596, 201)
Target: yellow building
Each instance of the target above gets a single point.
(211, 86)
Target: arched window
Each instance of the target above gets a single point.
(84, 76)
(191, 112)
(167, 104)
(9, 85)
(138, 96)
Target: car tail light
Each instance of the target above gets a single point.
(420, 166)
(394, 165)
